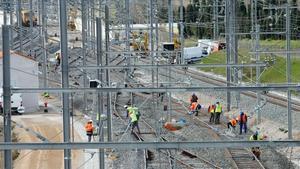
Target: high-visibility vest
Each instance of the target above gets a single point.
(218, 108)
(243, 118)
(233, 122)
(211, 109)
(193, 106)
(89, 127)
(133, 117)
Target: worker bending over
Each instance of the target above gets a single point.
(195, 108)
(232, 124)
(89, 128)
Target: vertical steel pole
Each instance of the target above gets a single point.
(20, 25)
(100, 95)
(31, 25)
(228, 50)
(44, 44)
(215, 18)
(65, 80)
(6, 95)
(257, 58)
(181, 32)
(288, 70)
(170, 20)
(127, 31)
(107, 44)
(5, 9)
(84, 37)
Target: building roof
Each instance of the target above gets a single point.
(14, 53)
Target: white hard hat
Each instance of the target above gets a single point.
(125, 106)
(91, 121)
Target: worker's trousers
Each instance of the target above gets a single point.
(217, 120)
(230, 126)
(212, 117)
(135, 124)
(243, 126)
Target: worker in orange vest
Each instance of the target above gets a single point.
(195, 108)
(89, 128)
(211, 111)
(232, 123)
(243, 118)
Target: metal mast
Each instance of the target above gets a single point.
(65, 80)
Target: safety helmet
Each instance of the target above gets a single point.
(125, 106)
(90, 121)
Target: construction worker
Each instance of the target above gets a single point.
(218, 112)
(89, 128)
(134, 117)
(243, 118)
(211, 111)
(232, 123)
(256, 150)
(194, 98)
(195, 108)
(162, 94)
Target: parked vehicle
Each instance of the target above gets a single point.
(16, 103)
(193, 54)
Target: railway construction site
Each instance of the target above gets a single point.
(153, 84)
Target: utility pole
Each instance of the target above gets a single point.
(65, 80)
(170, 20)
(288, 70)
(6, 95)
(257, 58)
(181, 32)
(107, 44)
(31, 25)
(43, 37)
(19, 16)
(100, 95)
(216, 20)
(84, 37)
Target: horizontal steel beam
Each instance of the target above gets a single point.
(141, 52)
(260, 33)
(169, 65)
(165, 89)
(147, 145)
(278, 52)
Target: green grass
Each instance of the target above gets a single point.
(275, 73)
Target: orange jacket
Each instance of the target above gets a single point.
(89, 127)
(233, 122)
(243, 118)
(193, 106)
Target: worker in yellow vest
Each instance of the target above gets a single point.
(218, 112)
(134, 117)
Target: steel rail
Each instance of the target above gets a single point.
(149, 66)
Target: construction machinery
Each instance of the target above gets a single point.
(26, 18)
(139, 41)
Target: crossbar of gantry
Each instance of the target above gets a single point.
(147, 66)
(147, 145)
(160, 89)
(278, 52)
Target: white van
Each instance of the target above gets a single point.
(16, 103)
(193, 54)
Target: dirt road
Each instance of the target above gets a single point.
(48, 126)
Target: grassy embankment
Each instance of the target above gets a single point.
(275, 73)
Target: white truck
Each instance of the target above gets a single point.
(16, 103)
(193, 54)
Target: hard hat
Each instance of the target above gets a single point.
(91, 121)
(237, 119)
(125, 106)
